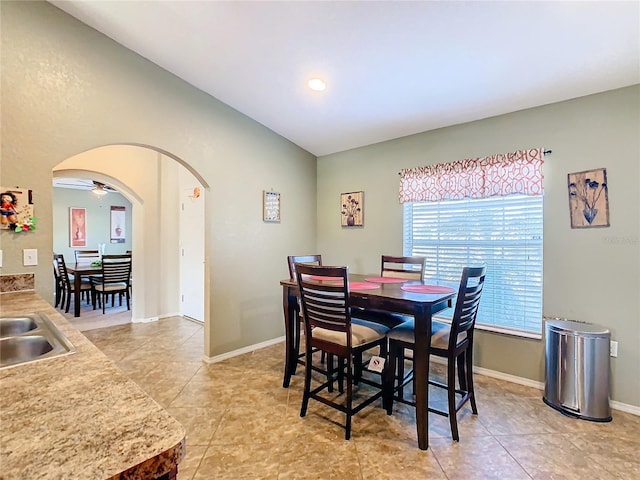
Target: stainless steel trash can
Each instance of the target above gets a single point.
(577, 369)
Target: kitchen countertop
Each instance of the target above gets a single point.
(78, 416)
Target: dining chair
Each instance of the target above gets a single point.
(308, 259)
(57, 281)
(453, 342)
(115, 277)
(291, 262)
(67, 287)
(329, 327)
(406, 268)
(410, 268)
(86, 256)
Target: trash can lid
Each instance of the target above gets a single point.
(571, 326)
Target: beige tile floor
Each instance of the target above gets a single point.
(241, 423)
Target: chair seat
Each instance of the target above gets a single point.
(439, 334)
(109, 287)
(362, 332)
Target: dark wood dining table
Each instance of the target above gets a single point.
(80, 270)
(388, 298)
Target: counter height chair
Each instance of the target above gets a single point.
(308, 259)
(453, 342)
(329, 327)
(115, 278)
(408, 268)
(291, 262)
(66, 285)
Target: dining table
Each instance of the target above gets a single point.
(385, 297)
(80, 270)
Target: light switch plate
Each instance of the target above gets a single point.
(30, 257)
(0, 258)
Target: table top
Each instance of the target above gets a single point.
(83, 268)
(390, 291)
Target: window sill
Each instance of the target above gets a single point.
(501, 330)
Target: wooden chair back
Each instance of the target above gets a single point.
(464, 315)
(411, 268)
(308, 259)
(86, 256)
(116, 269)
(325, 305)
(60, 271)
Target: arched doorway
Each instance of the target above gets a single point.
(152, 181)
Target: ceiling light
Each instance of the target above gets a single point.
(317, 84)
(99, 190)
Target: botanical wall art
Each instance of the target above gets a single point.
(352, 205)
(77, 227)
(271, 207)
(588, 198)
(118, 222)
(16, 211)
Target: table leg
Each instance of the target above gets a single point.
(76, 294)
(422, 333)
(289, 305)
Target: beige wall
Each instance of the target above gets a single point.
(67, 89)
(589, 274)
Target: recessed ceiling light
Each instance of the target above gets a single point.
(317, 84)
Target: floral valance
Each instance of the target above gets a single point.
(497, 175)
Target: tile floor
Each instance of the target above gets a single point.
(241, 423)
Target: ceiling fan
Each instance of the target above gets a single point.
(83, 184)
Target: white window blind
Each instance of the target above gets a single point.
(504, 233)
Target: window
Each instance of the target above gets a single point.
(505, 233)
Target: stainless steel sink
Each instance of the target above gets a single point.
(16, 325)
(29, 338)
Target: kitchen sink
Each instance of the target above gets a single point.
(31, 337)
(16, 325)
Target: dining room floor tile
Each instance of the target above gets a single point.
(241, 423)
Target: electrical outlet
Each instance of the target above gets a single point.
(613, 348)
(30, 257)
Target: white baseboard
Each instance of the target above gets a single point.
(242, 351)
(623, 407)
(144, 320)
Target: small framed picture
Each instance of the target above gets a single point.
(589, 198)
(271, 207)
(352, 209)
(77, 227)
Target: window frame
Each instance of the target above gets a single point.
(522, 234)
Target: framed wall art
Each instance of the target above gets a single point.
(16, 211)
(271, 207)
(77, 227)
(118, 223)
(588, 198)
(352, 209)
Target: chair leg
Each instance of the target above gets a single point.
(66, 310)
(128, 301)
(307, 382)
(472, 394)
(347, 433)
(451, 397)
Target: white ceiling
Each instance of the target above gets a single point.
(393, 68)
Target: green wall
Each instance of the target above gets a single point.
(590, 275)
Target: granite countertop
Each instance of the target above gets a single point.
(78, 416)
